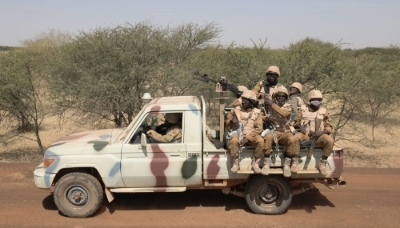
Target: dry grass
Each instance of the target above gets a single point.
(384, 153)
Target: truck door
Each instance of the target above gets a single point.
(159, 164)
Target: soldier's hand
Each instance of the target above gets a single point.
(312, 135)
(303, 129)
(243, 141)
(270, 119)
(234, 121)
(149, 132)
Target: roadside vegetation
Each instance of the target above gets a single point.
(56, 83)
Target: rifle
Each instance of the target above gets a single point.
(311, 143)
(222, 81)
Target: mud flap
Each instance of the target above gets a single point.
(109, 195)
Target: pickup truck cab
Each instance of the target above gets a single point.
(83, 167)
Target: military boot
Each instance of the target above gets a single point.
(265, 168)
(322, 167)
(286, 167)
(256, 165)
(295, 163)
(235, 166)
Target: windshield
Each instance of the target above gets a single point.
(130, 126)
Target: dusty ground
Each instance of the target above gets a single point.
(370, 199)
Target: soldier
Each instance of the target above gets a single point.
(251, 120)
(280, 132)
(295, 98)
(174, 130)
(315, 124)
(238, 100)
(268, 86)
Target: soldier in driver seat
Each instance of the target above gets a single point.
(174, 129)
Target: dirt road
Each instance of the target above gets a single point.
(370, 199)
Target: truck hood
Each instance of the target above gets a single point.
(88, 141)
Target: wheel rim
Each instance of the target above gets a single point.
(268, 193)
(77, 195)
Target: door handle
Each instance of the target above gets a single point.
(175, 155)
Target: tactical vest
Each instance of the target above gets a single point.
(248, 119)
(309, 118)
(280, 123)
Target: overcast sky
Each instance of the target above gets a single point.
(360, 23)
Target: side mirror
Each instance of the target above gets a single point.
(143, 140)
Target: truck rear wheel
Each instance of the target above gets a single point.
(78, 195)
(268, 194)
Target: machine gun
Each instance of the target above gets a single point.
(223, 82)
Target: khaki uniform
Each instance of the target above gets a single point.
(236, 102)
(174, 134)
(309, 118)
(282, 130)
(252, 128)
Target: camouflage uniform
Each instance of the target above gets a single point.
(282, 130)
(308, 119)
(252, 124)
(296, 100)
(259, 88)
(174, 132)
(325, 140)
(238, 101)
(284, 136)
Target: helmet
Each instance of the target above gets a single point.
(242, 88)
(172, 117)
(273, 70)
(314, 94)
(297, 86)
(281, 89)
(249, 95)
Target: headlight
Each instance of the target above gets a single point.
(48, 160)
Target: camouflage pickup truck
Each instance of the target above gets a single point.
(84, 167)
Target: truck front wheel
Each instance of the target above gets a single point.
(268, 194)
(78, 195)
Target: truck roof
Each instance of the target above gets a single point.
(175, 103)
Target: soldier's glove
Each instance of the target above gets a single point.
(243, 141)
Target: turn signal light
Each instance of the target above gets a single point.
(48, 160)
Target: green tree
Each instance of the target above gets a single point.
(104, 73)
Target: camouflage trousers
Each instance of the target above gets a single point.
(325, 141)
(257, 142)
(285, 138)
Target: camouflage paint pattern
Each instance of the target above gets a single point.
(190, 163)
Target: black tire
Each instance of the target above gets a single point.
(78, 195)
(269, 195)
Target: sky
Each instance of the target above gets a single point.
(355, 23)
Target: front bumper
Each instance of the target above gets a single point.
(42, 179)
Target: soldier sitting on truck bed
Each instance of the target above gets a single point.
(315, 124)
(251, 120)
(295, 98)
(173, 132)
(279, 131)
(238, 100)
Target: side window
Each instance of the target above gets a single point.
(160, 127)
